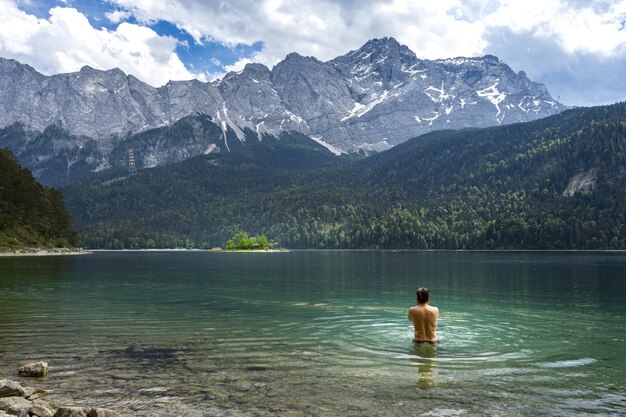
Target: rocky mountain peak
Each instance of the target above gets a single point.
(250, 71)
(14, 67)
(254, 68)
(113, 73)
(371, 98)
(381, 44)
(295, 57)
(86, 69)
(378, 51)
(382, 60)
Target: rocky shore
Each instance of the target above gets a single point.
(44, 252)
(24, 401)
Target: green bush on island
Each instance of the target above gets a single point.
(241, 241)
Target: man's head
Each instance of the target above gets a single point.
(423, 295)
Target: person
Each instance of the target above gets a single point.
(424, 318)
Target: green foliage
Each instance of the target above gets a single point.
(241, 241)
(30, 215)
(491, 188)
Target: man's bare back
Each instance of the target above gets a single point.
(424, 318)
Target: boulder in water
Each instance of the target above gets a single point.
(103, 412)
(35, 369)
(72, 412)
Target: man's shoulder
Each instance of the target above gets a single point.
(413, 311)
(433, 309)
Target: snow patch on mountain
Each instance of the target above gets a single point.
(494, 96)
(360, 109)
(331, 148)
(438, 95)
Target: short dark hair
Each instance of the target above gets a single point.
(423, 295)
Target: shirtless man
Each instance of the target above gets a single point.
(424, 318)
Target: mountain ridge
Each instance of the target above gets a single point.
(370, 98)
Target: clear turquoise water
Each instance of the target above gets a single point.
(320, 333)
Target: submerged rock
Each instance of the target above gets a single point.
(103, 412)
(10, 388)
(85, 412)
(16, 406)
(35, 369)
(72, 412)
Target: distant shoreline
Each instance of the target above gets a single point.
(68, 252)
(193, 250)
(44, 252)
(462, 250)
(251, 250)
(363, 250)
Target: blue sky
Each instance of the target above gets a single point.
(576, 47)
(206, 56)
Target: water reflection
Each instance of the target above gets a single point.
(424, 355)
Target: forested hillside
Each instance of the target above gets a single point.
(502, 187)
(30, 215)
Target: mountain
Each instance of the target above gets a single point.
(398, 96)
(369, 99)
(30, 215)
(554, 183)
(56, 157)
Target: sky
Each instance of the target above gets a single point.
(576, 47)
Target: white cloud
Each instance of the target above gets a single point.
(445, 28)
(323, 29)
(585, 28)
(240, 64)
(66, 41)
(577, 48)
(116, 16)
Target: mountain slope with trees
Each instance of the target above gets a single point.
(30, 215)
(502, 187)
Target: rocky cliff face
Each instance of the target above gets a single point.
(397, 96)
(369, 99)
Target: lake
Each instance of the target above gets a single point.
(320, 333)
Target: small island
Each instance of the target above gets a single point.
(242, 242)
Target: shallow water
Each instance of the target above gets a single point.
(320, 333)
